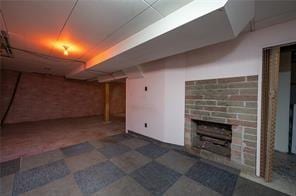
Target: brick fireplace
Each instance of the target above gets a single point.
(221, 119)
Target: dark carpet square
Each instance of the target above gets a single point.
(33, 178)
(221, 166)
(9, 167)
(155, 177)
(94, 178)
(77, 149)
(246, 187)
(152, 150)
(111, 149)
(217, 179)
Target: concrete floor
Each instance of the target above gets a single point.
(124, 165)
(284, 164)
(284, 174)
(30, 138)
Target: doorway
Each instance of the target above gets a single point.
(278, 133)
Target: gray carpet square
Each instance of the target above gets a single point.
(61, 187)
(125, 186)
(33, 178)
(85, 160)
(41, 159)
(120, 137)
(77, 149)
(152, 150)
(134, 143)
(108, 140)
(246, 187)
(130, 161)
(285, 165)
(188, 187)
(217, 179)
(6, 184)
(94, 178)
(97, 143)
(221, 166)
(9, 167)
(177, 161)
(183, 152)
(155, 177)
(113, 149)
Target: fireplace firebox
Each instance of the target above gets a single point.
(213, 137)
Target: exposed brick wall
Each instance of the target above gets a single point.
(8, 81)
(117, 98)
(42, 97)
(229, 100)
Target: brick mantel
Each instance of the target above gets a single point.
(227, 100)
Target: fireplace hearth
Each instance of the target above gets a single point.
(213, 137)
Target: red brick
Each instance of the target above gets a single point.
(250, 150)
(194, 97)
(242, 123)
(252, 78)
(216, 109)
(231, 80)
(41, 97)
(242, 98)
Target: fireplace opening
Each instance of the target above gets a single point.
(213, 137)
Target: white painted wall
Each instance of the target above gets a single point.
(147, 106)
(282, 114)
(163, 79)
(165, 111)
(174, 99)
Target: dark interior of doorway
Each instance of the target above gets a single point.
(284, 163)
(270, 93)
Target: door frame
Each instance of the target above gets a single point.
(269, 94)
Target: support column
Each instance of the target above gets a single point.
(107, 102)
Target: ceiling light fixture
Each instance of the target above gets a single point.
(66, 52)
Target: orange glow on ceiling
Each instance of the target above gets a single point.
(60, 46)
(71, 48)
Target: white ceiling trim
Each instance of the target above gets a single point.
(184, 15)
